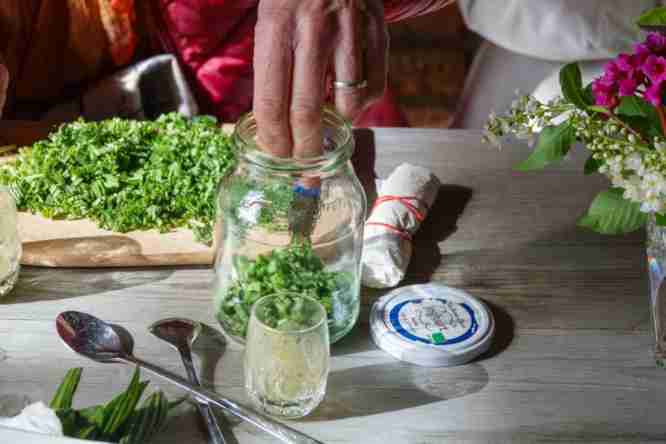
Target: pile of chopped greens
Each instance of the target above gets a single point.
(126, 175)
(295, 269)
(121, 420)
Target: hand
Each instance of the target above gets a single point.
(4, 83)
(297, 44)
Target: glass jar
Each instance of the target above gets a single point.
(10, 245)
(656, 255)
(287, 224)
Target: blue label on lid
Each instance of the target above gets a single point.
(434, 321)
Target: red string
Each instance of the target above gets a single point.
(405, 200)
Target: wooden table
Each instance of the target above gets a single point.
(572, 360)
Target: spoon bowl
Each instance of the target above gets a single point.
(178, 332)
(91, 337)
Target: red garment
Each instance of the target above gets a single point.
(214, 41)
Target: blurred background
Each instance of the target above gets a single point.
(430, 57)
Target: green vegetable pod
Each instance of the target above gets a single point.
(290, 225)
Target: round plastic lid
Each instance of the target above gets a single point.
(431, 325)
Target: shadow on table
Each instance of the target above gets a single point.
(363, 161)
(504, 332)
(395, 386)
(441, 223)
(210, 347)
(47, 284)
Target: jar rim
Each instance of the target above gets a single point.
(244, 139)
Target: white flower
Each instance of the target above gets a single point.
(634, 162)
(492, 139)
(632, 188)
(618, 181)
(653, 205)
(654, 184)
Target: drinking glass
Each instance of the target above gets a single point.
(287, 355)
(10, 245)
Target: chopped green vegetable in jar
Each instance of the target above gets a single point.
(295, 268)
(126, 175)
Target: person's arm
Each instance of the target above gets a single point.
(558, 30)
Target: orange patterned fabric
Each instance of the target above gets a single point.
(119, 21)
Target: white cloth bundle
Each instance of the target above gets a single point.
(37, 418)
(403, 201)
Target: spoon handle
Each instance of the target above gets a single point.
(204, 408)
(280, 431)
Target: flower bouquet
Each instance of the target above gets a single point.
(620, 118)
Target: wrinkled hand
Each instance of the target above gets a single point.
(298, 43)
(4, 83)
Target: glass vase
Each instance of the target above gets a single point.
(656, 254)
(10, 245)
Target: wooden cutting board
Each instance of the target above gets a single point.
(81, 243)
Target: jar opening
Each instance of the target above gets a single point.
(338, 144)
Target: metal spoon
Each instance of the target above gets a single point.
(97, 340)
(181, 334)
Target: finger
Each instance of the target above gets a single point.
(311, 55)
(348, 63)
(376, 54)
(272, 77)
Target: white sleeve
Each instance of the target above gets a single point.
(558, 30)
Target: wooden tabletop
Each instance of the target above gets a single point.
(572, 359)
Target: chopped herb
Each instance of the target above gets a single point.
(126, 175)
(294, 269)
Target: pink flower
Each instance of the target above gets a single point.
(605, 93)
(656, 42)
(627, 87)
(612, 72)
(626, 62)
(654, 92)
(655, 68)
(631, 65)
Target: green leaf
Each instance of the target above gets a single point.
(121, 408)
(571, 83)
(554, 143)
(599, 109)
(148, 420)
(592, 165)
(611, 213)
(661, 219)
(589, 95)
(65, 392)
(640, 115)
(653, 17)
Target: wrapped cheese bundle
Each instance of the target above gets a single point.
(402, 204)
